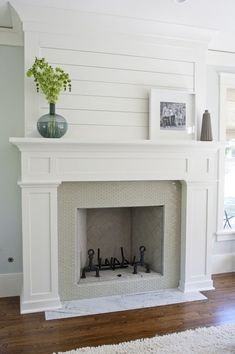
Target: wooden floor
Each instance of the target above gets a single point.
(32, 334)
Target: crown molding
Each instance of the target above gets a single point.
(74, 22)
(12, 36)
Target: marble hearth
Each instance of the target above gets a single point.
(46, 163)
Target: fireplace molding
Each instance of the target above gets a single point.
(45, 163)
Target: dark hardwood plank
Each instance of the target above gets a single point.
(31, 334)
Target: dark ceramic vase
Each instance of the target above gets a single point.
(52, 125)
(206, 131)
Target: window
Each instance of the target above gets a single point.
(226, 172)
(229, 170)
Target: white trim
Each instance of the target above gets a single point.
(223, 263)
(227, 80)
(48, 20)
(12, 36)
(220, 58)
(39, 305)
(198, 285)
(225, 235)
(28, 144)
(10, 284)
(39, 184)
(68, 160)
(40, 292)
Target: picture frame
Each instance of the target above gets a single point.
(172, 115)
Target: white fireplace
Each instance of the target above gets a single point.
(47, 163)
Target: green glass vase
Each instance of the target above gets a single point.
(52, 125)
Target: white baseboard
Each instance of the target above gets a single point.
(199, 285)
(10, 284)
(223, 263)
(31, 306)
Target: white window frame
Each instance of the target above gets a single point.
(227, 81)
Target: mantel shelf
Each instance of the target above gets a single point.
(39, 144)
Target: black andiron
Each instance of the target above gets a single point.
(141, 262)
(113, 263)
(91, 267)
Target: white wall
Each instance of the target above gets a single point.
(11, 118)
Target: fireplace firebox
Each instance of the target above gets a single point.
(118, 218)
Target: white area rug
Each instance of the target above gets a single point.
(122, 302)
(212, 340)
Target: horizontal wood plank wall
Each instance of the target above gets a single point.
(110, 88)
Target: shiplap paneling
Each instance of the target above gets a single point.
(105, 132)
(127, 45)
(115, 61)
(89, 117)
(110, 90)
(133, 76)
(101, 103)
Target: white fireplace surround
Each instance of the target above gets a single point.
(46, 163)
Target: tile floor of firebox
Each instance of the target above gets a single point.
(116, 303)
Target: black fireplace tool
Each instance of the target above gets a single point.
(113, 263)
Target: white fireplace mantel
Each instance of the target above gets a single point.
(45, 163)
(45, 160)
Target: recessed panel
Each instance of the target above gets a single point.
(39, 165)
(40, 241)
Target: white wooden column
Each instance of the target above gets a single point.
(196, 241)
(40, 247)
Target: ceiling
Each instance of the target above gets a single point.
(209, 14)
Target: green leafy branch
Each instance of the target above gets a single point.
(48, 79)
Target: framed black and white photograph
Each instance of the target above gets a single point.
(171, 114)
